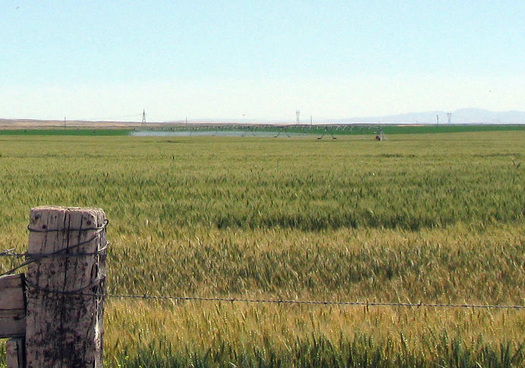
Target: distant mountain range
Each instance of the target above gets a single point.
(462, 116)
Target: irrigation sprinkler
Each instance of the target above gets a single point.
(278, 130)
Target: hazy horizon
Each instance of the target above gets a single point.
(461, 116)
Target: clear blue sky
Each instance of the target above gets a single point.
(93, 59)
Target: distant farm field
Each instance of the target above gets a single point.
(100, 129)
(418, 218)
(66, 132)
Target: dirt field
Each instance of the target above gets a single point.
(53, 124)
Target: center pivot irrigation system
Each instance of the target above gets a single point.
(274, 130)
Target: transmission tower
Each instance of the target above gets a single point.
(144, 117)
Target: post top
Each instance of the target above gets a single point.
(66, 209)
(57, 218)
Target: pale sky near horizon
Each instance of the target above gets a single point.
(109, 60)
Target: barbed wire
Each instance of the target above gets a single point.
(99, 281)
(31, 257)
(78, 292)
(292, 302)
(232, 300)
(315, 302)
(271, 301)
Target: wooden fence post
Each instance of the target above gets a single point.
(12, 306)
(12, 318)
(65, 287)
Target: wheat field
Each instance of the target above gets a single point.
(423, 218)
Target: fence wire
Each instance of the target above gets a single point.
(308, 302)
(33, 258)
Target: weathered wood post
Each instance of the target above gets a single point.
(12, 318)
(12, 306)
(65, 287)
